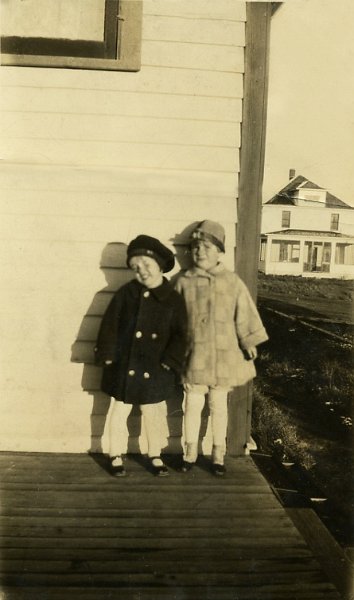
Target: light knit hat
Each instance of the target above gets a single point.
(212, 231)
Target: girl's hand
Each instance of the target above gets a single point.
(252, 352)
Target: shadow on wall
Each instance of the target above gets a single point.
(113, 264)
(181, 243)
(116, 273)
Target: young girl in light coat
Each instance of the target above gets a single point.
(224, 328)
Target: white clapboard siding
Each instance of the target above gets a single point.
(136, 130)
(118, 154)
(202, 9)
(162, 80)
(49, 229)
(127, 104)
(194, 56)
(105, 182)
(90, 159)
(49, 203)
(181, 29)
(38, 234)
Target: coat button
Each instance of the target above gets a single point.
(131, 372)
(154, 336)
(146, 294)
(146, 375)
(138, 334)
(205, 320)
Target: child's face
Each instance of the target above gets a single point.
(205, 254)
(147, 271)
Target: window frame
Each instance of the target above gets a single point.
(344, 254)
(334, 224)
(262, 250)
(119, 51)
(288, 251)
(285, 218)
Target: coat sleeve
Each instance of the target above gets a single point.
(174, 354)
(249, 327)
(107, 337)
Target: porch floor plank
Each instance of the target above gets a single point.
(289, 592)
(71, 530)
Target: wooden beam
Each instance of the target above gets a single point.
(253, 131)
(249, 204)
(332, 558)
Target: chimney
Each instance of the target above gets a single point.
(292, 173)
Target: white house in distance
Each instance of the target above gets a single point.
(307, 231)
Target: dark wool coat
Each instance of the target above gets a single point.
(141, 329)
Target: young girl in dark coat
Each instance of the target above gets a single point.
(142, 343)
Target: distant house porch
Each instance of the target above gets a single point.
(307, 253)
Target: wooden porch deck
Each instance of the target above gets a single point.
(70, 530)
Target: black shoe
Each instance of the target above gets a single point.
(218, 470)
(159, 470)
(117, 471)
(186, 466)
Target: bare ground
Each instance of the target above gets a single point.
(304, 389)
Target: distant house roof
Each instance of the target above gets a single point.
(308, 232)
(284, 196)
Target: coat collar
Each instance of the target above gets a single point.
(198, 272)
(160, 293)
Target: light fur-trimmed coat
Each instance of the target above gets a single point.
(223, 322)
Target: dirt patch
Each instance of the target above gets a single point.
(304, 390)
(329, 299)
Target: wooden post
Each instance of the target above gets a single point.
(249, 205)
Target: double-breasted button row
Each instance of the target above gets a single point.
(131, 373)
(139, 334)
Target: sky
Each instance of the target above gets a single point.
(310, 125)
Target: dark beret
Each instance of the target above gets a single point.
(144, 245)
